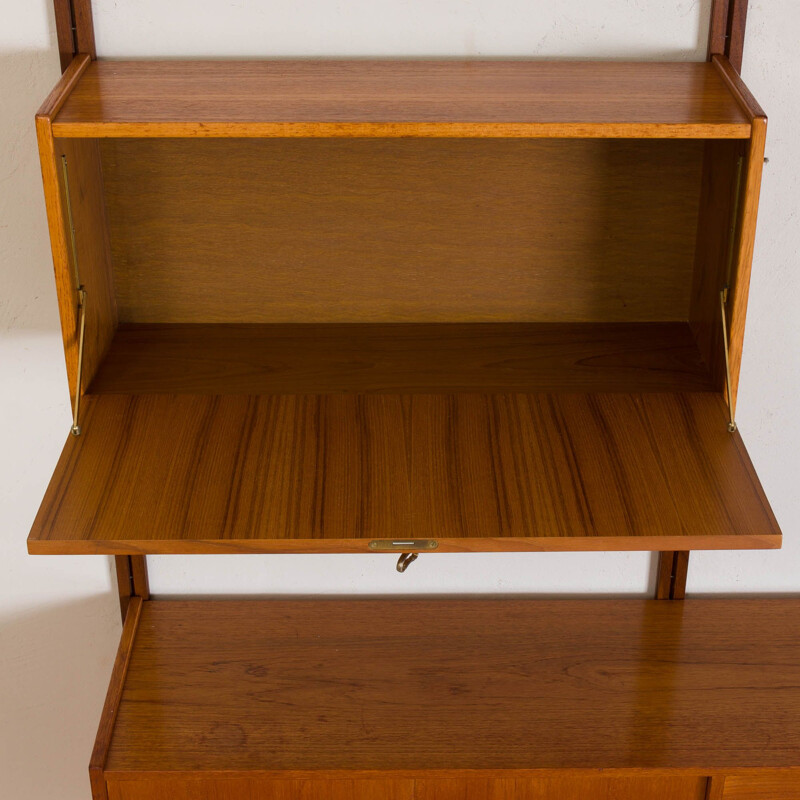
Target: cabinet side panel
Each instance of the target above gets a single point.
(329, 230)
(740, 279)
(714, 256)
(92, 245)
(66, 283)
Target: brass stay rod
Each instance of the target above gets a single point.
(723, 299)
(76, 406)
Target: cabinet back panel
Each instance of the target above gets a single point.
(329, 230)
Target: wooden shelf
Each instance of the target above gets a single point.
(394, 689)
(474, 471)
(400, 98)
(401, 358)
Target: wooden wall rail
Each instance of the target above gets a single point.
(726, 32)
(74, 29)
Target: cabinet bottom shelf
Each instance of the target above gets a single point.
(440, 699)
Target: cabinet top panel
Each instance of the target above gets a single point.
(310, 687)
(391, 98)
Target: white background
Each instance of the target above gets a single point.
(59, 619)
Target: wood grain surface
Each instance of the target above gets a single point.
(740, 279)
(93, 248)
(403, 231)
(328, 473)
(258, 789)
(401, 98)
(113, 696)
(321, 688)
(777, 786)
(387, 357)
(714, 255)
(562, 788)
(566, 788)
(52, 183)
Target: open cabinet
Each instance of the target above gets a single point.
(415, 307)
(472, 328)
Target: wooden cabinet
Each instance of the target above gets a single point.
(441, 699)
(416, 307)
(356, 306)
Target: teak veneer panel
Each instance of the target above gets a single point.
(562, 788)
(452, 357)
(402, 231)
(328, 473)
(778, 786)
(567, 787)
(401, 98)
(258, 789)
(424, 688)
(93, 267)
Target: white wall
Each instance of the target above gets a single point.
(58, 616)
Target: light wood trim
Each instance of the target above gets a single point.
(254, 130)
(508, 544)
(108, 716)
(61, 91)
(738, 88)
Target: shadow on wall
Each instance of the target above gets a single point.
(55, 663)
(28, 300)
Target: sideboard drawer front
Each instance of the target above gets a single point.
(566, 788)
(778, 786)
(259, 789)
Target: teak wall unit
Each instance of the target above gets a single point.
(416, 307)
